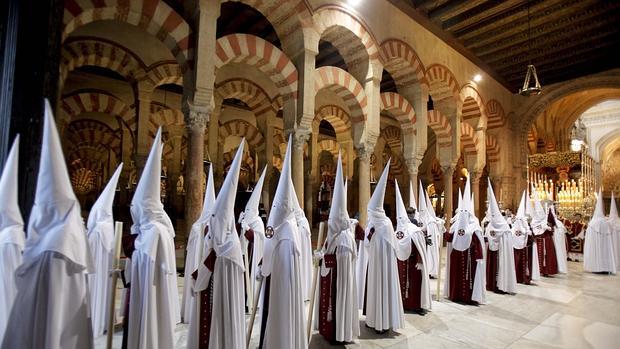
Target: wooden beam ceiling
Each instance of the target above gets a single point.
(567, 38)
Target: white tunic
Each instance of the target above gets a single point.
(506, 273)
(559, 241)
(598, 250)
(51, 309)
(403, 252)
(99, 282)
(153, 302)
(384, 305)
(434, 229)
(11, 247)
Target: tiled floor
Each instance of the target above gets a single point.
(578, 310)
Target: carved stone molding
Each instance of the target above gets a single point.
(196, 116)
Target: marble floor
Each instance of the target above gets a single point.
(578, 310)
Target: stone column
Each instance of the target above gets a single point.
(214, 137)
(413, 165)
(448, 172)
(195, 122)
(143, 114)
(363, 155)
(299, 140)
(475, 189)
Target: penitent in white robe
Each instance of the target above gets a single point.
(403, 252)
(286, 322)
(153, 302)
(598, 253)
(559, 241)
(384, 305)
(11, 247)
(51, 309)
(227, 316)
(99, 282)
(435, 230)
(506, 272)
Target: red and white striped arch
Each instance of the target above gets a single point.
(400, 107)
(164, 117)
(251, 94)
(327, 18)
(154, 16)
(99, 102)
(165, 72)
(100, 53)
(256, 52)
(344, 85)
(497, 116)
(472, 106)
(391, 135)
(243, 128)
(286, 16)
(441, 127)
(492, 148)
(91, 132)
(336, 116)
(402, 62)
(469, 141)
(442, 83)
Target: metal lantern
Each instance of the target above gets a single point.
(530, 77)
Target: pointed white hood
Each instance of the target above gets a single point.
(402, 219)
(614, 220)
(598, 223)
(423, 209)
(461, 224)
(101, 212)
(222, 231)
(146, 206)
(539, 217)
(520, 228)
(55, 223)
(338, 215)
(11, 221)
(209, 199)
(412, 197)
(281, 224)
(251, 208)
(375, 204)
(497, 222)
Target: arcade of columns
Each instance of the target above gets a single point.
(208, 89)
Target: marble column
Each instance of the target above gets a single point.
(143, 114)
(448, 172)
(413, 165)
(299, 140)
(195, 122)
(475, 189)
(363, 155)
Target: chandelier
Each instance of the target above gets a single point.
(531, 86)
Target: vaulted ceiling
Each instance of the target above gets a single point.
(569, 38)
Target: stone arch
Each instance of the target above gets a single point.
(469, 140)
(472, 107)
(336, 116)
(391, 135)
(102, 53)
(442, 83)
(400, 107)
(402, 62)
(243, 128)
(492, 148)
(154, 16)
(441, 127)
(87, 131)
(496, 114)
(288, 17)
(164, 117)
(345, 86)
(98, 102)
(328, 17)
(251, 94)
(165, 72)
(256, 52)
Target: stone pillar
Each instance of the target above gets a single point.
(143, 114)
(448, 172)
(475, 189)
(363, 155)
(299, 140)
(413, 165)
(195, 122)
(214, 138)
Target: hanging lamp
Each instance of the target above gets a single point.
(531, 86)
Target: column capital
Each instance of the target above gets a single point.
(364, 151)
(448, 170)
(475, 176)
(413, 164)
(196, 116)
(300, 137)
